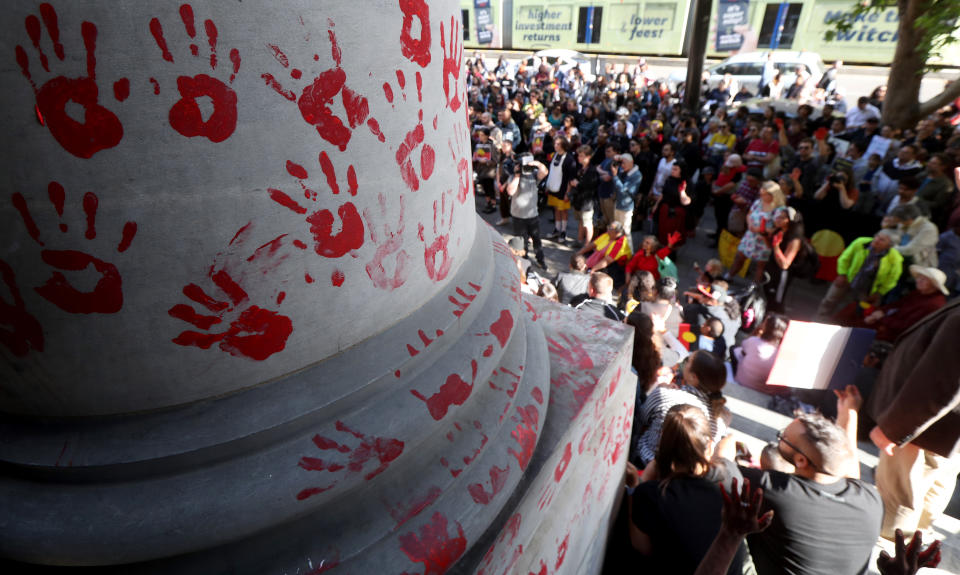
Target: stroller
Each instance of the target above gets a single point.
(752, 300)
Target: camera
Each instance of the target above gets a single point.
(837, 178)
(526, 164)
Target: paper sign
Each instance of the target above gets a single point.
(820, 356)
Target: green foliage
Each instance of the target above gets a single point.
(937, 20)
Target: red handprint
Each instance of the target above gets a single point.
(316, 98)
(464, 176)
(100, 128)
(391, 244)
(439, 245)
(19, 331)
(385, 450)
(107, 295)
(185, 116)
(412, 139)
(417, 50)
(452, 63)
(434, 547)
(326, 243)
(255, 333)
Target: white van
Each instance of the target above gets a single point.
(747, 67)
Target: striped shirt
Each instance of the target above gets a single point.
(655, 408)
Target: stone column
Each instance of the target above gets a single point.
(249, 319)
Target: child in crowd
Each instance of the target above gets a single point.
(754, 358)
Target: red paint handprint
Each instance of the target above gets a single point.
(434, 547)
(464, 176)
(100, 128)
(185, 115)
(107, 295)
(417, 50)
(413, 139)
(383, 449)
(19, 331)
(391, 244)
(254, 332)
(326, 243)
(452, 63)
(317, 97)
(439, 246)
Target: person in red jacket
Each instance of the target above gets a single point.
(894, 318)
(650, 254)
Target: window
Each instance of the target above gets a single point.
(779, 25)
(465, 18)
(588, 26)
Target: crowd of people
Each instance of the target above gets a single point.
(639, 173)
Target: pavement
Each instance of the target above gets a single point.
(755, 424)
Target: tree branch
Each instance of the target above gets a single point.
(949, 94)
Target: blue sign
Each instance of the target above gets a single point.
(731, 16)
(481, 9)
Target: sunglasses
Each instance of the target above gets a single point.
(780, 437)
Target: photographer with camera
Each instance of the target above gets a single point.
(522, 190)
(833, 202)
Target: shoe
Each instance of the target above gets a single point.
(541, 263)
(554, 236)
(562, 240)
(503, 221)
(489, 209)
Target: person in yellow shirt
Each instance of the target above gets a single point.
(721, 143)
(609, 252)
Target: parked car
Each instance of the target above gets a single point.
(568, 59)
(746, 68)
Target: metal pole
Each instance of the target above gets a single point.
(698, 49)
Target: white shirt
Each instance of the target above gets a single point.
(555, 177)
(857, 117)
(663, 172)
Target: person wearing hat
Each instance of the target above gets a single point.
(916, 406)
(893, 319)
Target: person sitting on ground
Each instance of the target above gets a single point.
(665, 305)
(650, 255)
(894, 318)
(920, 235)
(826, 520)
(573, 284)
(711, 338)
(600, 297)
(680, 484)
(702, 377)
(756, 355)
(642, 287)
(712, 270)
(609, 251)
(712, 301)
(867, 270)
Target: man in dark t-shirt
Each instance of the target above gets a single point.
(826, 520)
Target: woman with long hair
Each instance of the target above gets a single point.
(787, 247)
(755, 243)
(702, 377)
(683, 484)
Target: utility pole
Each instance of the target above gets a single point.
(698, 50)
